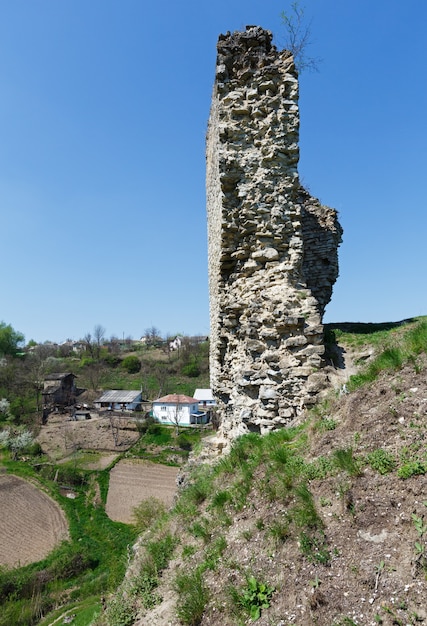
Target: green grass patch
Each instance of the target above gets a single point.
(193, 596)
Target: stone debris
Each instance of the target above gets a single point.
(272, 247)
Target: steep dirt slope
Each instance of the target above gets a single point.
(365, 562)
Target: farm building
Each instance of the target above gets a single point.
(178, 410)
(59, 390)
(205, 399)
(119, 400)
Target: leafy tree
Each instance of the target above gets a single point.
(131, 364)
(10, 340)
(298, 37)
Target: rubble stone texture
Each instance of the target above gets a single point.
(272, 247)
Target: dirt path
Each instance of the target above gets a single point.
(31, 523)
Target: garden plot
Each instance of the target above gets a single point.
(31, 523)
(132, 481)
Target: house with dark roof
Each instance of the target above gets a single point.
(178, 410)
(59, 390)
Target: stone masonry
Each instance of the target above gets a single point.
(272, 247)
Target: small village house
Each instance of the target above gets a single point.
(59, 390)
(205, 399)
(178, 410)
(119, 400)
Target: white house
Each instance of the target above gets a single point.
(178, 410)
(205, 399)
(175, 344)
(120, 400)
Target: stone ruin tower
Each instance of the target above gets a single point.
(272, 247)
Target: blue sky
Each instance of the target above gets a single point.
(103, 113)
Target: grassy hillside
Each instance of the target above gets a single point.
(322, 523)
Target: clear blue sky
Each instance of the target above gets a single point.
(103, 113)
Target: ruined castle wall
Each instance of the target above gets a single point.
(272, 248)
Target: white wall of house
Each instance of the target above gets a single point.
(169, 413)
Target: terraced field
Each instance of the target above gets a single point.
(31, 523)
(131, 481)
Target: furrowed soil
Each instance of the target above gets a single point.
(132, 481)
(31, 523)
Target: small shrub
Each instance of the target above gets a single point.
(320, 468)
(160, 551)
(412, 468)
(314, 548)
(192, 370)
(143, 425)
(131, 364)
(255, 597)
(200, 529)
(112, 360)
(192, 597)
(326, 423)
(381, 461)
(121, 611)
(144, 586)
(304, 513)
(220, 499)
(279, 531)
(184, 442)
(345, 461)
(214, 553)
(86, 361)
(147, 512)
(68, 475)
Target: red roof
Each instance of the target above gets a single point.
(177, 398)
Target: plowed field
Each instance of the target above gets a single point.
(133, 481)
(31, 523)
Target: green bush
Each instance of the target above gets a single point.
(412, 468)
(184, 442)
(131, 364)
(68, 475)
(147, 512)
(112, 360)
(192, 370)
(381, 461)
(86, 361)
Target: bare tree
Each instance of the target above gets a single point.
(160, 373)
(175, 415)
(94, 342)
(152, 336)
(98, 338)
(299, 37)
(89, 344)
(115, 422)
